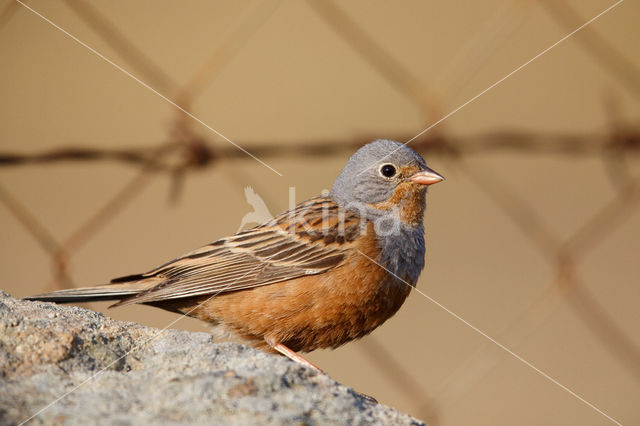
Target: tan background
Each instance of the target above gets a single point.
(295, 80)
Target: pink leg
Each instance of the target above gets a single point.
(292, 355)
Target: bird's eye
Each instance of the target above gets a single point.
(388, 170)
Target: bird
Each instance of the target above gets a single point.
(328, 271)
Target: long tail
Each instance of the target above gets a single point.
(92, 294)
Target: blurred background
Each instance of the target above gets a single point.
(534, 238)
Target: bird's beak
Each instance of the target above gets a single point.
(426, 177)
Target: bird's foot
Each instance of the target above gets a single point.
(292, 355)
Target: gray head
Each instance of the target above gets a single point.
(374, 172)
(386, 181)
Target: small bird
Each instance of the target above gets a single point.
(326, 272)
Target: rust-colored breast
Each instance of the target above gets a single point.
(318, 311)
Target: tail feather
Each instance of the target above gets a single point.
(92, 294)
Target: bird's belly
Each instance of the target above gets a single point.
(317, 311)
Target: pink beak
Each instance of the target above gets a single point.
(426, 177)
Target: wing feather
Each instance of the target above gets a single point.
(307, 240)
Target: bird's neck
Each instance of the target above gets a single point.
(402, 239)
(398, 224)
(402, 253)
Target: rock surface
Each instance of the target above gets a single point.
(67, 365)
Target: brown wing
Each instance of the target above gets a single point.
(309, 239)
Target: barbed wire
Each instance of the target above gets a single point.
(198, 153)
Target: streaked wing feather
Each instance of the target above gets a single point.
(292, 245)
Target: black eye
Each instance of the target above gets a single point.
(388, 170)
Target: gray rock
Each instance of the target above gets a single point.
(67, 365)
